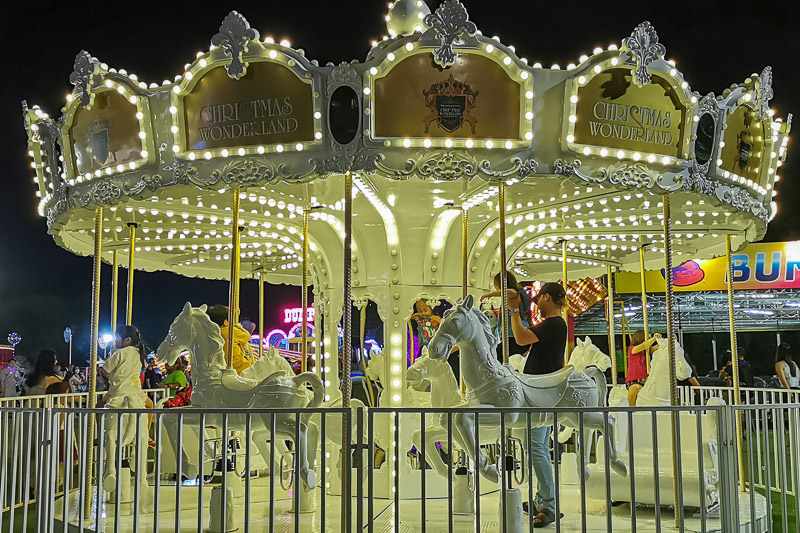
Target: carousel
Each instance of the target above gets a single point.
(418, 173)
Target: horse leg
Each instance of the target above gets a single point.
(596, 421)
(468, 439)
(187, 467)
(433, 434)
(286, 426)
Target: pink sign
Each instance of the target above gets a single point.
(293, 315)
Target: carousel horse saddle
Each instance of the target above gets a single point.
(549, 389)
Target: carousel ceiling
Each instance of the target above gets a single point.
(429, 125)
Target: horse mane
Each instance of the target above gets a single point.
(487, 327)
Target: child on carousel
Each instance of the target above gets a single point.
(427, 322)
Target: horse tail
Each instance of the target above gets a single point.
(314, 381)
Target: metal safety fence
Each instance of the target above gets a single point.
(398, 469)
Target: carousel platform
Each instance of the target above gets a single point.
(385, 514)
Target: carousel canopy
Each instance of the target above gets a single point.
(429, 124)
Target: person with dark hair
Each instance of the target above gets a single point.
(638, 353)
(786, 368)
(242, 358)
(524, 308)
(123, 368)
(176, 379)
(746, 377)
(549, 342)
(44, 374)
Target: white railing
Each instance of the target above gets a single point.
(249, 479)
(77, 399)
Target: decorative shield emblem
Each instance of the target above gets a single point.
(98, 139)
(450, 102)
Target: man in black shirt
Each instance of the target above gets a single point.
(549, 340)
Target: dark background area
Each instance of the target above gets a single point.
(44, 288)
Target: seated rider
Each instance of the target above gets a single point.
(123, 368)
(427, 322)
(242, 358)
(640, 349)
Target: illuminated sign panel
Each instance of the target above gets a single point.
(293, 315)
(758, 266)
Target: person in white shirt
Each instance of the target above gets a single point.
(786, 368)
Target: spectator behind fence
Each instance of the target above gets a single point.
(44, 374)
(9, 377)
(786, 368)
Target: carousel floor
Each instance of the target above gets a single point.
(384, 513)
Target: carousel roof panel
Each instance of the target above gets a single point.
(430, 124)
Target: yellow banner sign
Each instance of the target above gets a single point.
(474, 98)
(106, 134)
(269, 105)
(759, 266)
(613, 112)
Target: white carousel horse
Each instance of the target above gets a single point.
(491, 384)
(444, 393)
(268, 364)
(587, 359)
(124, 392)
(218, 387)
(656, 388)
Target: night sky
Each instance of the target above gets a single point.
(44, 288)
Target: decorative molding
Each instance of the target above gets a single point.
(708, 104)
(765, 92)
(343, 73)
(644, 46)
(347, 158)
(184, 173)
(235, 35)
(450, 22)
(742, 200)
(520, 169)
(629, 175)
(145, 183)
(83, 74)
(242, 172)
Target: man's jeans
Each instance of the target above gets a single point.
(540, 456)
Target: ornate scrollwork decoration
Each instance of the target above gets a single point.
(521, 169)
(101, 192)
(447, 166)
(145, 183)
(82, 77)
(235, 35)
(450, 22)
(347, 158)
(343, 73)
(562, 168)
(242, 172)
(765, 92)
(629, 175)
(643, 44)
(185, 173)
(708, 104)
(740, 199)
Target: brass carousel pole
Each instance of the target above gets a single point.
(261, 314)
(114, 289)
(503, 277)
(304, 327)
(464, 273)
(97, 262)
(735, 363)
(131, 264)
(612, 347)
(644, 303)
(565, 309)
(233, 296)
(673, 384)
(347, 341)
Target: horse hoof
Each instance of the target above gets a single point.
(190, 472)
(620, 468)
(586, 473)
(309, 477)
(564, 436)
(110, 482)
(491, 473)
